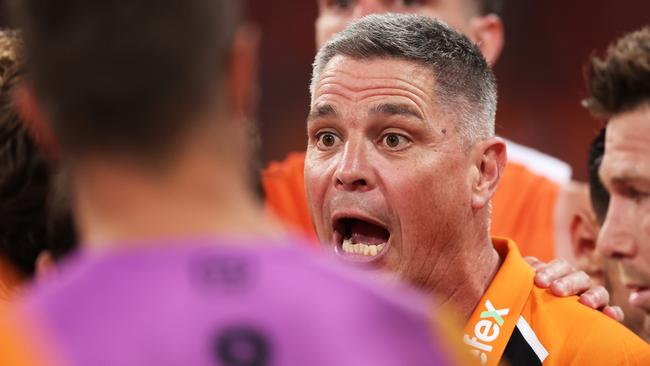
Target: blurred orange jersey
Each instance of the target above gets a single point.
(284, 193)
(522, 324)
(18, 346)
(522, 209)
(10, 282)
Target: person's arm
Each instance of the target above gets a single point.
(564, 280)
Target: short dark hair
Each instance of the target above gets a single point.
(621, 81)
(125, 76)
(28, 226)
(597, 191)
(464, 83)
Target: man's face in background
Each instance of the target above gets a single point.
(625, 236)
(635, 318)
(335, 15)
(585, 227)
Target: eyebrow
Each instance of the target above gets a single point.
(322, 111)
(393, 109)
(622, 178)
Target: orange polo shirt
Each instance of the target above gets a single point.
(523, 324)
(523, 207)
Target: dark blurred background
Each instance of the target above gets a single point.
(539, 72)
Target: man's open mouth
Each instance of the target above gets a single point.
(358, 237)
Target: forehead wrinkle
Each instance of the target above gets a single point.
(357, 95)
(627, 132)
(627, 143)
(359, 84)
(625, 154)
(362, 81)
(619, 167)
(357, 81)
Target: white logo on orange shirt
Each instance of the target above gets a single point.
(486, 331)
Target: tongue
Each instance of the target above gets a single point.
(362, 232)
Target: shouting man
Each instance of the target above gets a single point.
(401, 166)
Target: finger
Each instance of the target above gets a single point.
(614, 312)
(575, 283)
(595, 298)
(553, 271)
(534, 262)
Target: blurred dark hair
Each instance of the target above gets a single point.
(27, 225)
(597, 192)
(621, 81)
(125, 76)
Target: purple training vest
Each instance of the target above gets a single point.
(230, 302)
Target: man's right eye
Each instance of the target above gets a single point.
(326, 140)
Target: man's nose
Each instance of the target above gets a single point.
(354, 172)
(367, 7)
(617, 238)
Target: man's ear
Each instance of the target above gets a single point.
(584, 233)
(32, 115)
(488, 33)
(45, 266)
(242, 79)
(490, 160)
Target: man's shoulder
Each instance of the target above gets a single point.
(574, 333)
(284, 193)
(17, 345)
(288, 294)
(539, 163)
(232, 266)
(524, 209)
(288, 167)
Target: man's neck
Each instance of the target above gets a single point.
(114, 204)
(467, 277)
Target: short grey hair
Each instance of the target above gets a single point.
(465, 84)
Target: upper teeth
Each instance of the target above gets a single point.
(363, 249)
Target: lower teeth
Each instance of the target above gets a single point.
(362, 249)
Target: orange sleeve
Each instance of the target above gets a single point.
(523, 209)
(10, 281)
(285, 197)
(576, 335)
(18, 346)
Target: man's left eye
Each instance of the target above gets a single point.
(394, 141)
(341, 4)
(637, 195)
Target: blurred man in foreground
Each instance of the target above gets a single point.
(147, 101)
(619, 86)
(400, 170)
